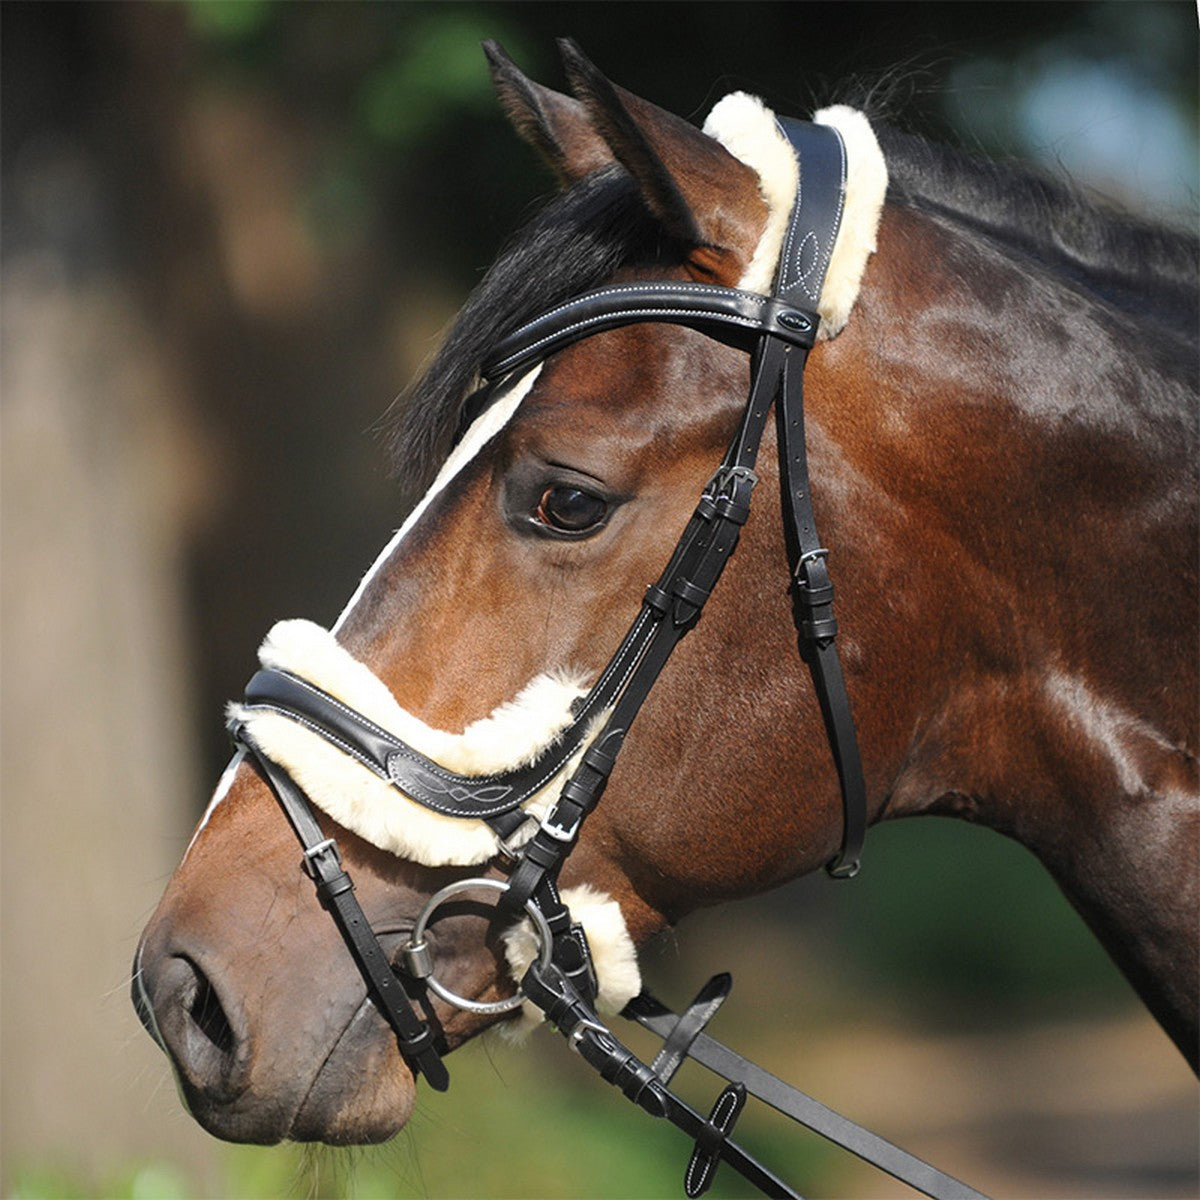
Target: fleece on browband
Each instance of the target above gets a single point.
(512, 735)
(748, 130)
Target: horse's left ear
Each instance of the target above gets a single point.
(556, 126)
(703, 196)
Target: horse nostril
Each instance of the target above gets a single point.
(209, 1017)
(196, 1029)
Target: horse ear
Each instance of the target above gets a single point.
(556, 126)
(703, 196)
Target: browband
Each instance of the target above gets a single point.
(727, 314)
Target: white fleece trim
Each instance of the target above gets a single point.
(866, 187)
(512, 735)
(749, 131)
(614, 955)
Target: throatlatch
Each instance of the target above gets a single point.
(778, 331)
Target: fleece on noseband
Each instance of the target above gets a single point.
(748, 130)
(613, 954)
(512, 735)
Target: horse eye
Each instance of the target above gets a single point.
(570, 509)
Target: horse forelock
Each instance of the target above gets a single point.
(579, 240)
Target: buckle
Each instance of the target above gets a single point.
(557, 832)
(725, 474)
(727, 494)
(810, 556)
(309, 862)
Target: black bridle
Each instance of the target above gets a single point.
(778, 331)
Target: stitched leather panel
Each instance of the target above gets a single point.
(728, 315)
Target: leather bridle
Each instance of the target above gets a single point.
(778, 331)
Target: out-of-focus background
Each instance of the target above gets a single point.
(232, 232)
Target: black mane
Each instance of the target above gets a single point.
(1145, 270)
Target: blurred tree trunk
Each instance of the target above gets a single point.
(172, 341)
(101, 476)
(97, 769)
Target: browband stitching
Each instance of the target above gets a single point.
(633, 314)
(700, 289)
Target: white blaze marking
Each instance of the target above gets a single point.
(482, 430)
(222, 790)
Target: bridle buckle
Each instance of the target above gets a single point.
(557, 832)
(313, 853)
(727, 494)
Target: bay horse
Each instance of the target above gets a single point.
(1002, 433)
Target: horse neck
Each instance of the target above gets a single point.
(1019, 507)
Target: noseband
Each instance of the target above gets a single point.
(777, 331)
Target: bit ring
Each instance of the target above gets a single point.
(419, 959)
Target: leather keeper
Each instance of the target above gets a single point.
(601, 756)
(690, 593)
(657, 599)
(823, 630)
(732, 509)
(329, 889)
(814, 597)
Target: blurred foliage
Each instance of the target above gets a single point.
(434, 71)
(388, 87)
(969, 929)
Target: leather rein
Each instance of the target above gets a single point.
(778, 331)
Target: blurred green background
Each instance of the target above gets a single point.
(232, 232)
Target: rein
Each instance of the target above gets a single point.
(778, 331)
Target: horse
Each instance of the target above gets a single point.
(1001, 428)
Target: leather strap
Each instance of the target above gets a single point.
(726, 314)
(802, 266)
(731, 1066)
(335, 889)
(677, 1042)
(576, 1020)
(411, 772)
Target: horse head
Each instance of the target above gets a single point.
(467, 664)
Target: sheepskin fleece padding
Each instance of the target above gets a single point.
(866, 187)
(513, 735)
(749, 131)
(613, 955)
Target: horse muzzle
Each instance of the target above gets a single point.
(285, 1075)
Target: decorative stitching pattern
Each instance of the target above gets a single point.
(705, 1161)
(698, 289)
(452, 784)
(792, 259)
(633, 315)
